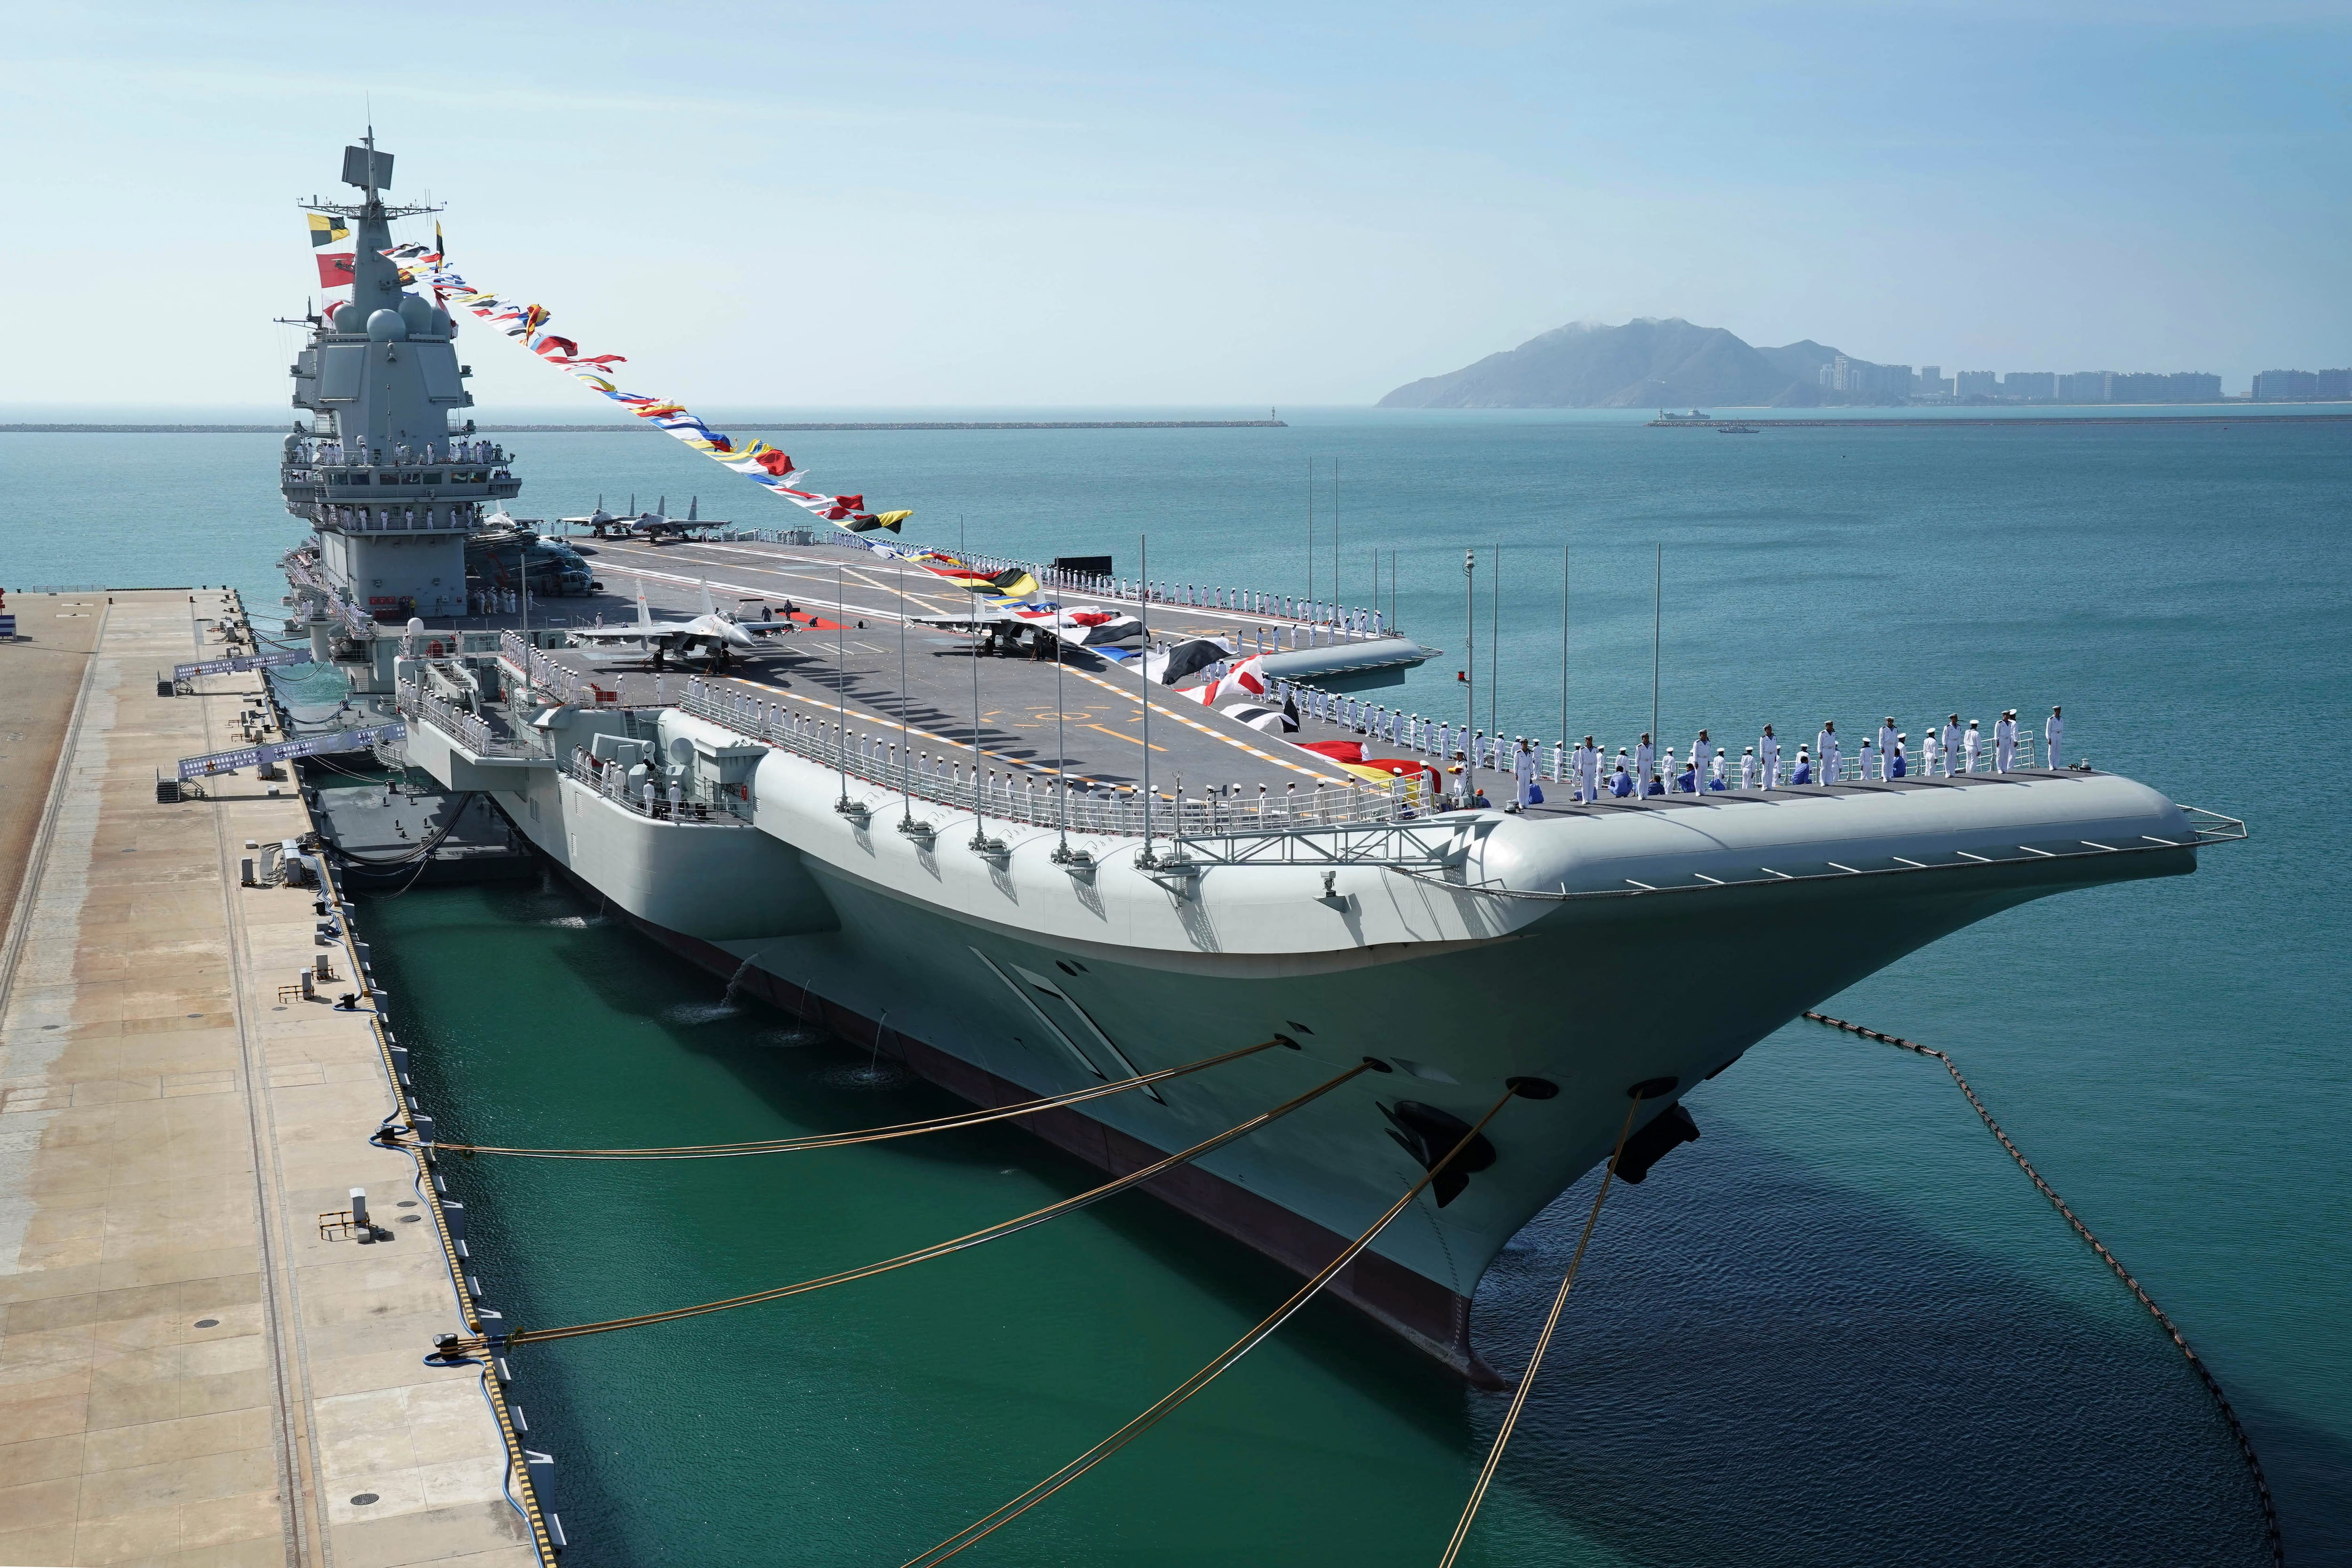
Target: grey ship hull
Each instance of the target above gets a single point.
(1001, 982)
(1593, 948)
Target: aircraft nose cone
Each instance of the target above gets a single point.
(740, 638)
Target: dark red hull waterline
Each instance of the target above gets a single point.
(1423, 1313)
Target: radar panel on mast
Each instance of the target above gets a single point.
(367, 168)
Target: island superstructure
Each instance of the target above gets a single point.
(391, 481)
(959, 859)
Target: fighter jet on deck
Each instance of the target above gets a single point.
(712, 636)
(597, 521)
(655, 527)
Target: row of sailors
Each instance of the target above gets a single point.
(615, 779)
(331, 453)
(1945, 751)
(1952, 748)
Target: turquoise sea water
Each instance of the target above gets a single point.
(1840, 1328)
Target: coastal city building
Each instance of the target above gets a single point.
(1861, 381)
(2088, 386)
(2303, 386)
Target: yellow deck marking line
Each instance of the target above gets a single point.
(857, 574)
(1115, 735)
(1214, 735)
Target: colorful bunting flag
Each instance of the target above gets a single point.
(762, 463)
(327, 229)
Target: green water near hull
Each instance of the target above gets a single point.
(859, 1424)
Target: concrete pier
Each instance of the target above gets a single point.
(189, 1374)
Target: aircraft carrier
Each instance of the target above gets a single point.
(1024, 868)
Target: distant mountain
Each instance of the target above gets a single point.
(1644, 363)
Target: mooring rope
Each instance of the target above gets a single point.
(2196, 1363)
(870, 1136)
(1005, 1513)
(1543, 1344)
(452, 1345)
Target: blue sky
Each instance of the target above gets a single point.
(1047, 205)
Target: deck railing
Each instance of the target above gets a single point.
(1029, 796)
(469, 730)
(1439, 741)
(709, 804)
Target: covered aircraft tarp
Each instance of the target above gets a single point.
(1273, 720)
(1170, 665)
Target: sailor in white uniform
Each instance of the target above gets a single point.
(1645, 756)
(2004, 741)
(1971, 743)
(1700, 750)
(2054, 730)
(1869, 757)
(1588, 771)
(1825, 753)
(1951, 743)
(1885, 747)
(1715, 770)
(1523, 776)
(1931, 751)
(1767, 751)
(1748, 768)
